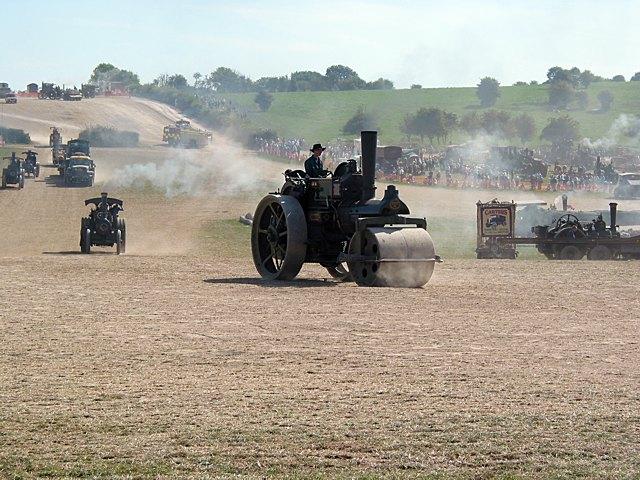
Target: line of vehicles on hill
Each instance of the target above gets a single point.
(103, 226)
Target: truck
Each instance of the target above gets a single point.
(182, 134)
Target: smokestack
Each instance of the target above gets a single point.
(564, 202)
(369, 143)
(613, 211)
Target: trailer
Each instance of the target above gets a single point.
(568, 238)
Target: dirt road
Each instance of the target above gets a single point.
(175, 361)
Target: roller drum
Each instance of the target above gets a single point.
(393, 257)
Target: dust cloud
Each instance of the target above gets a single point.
(223, 169)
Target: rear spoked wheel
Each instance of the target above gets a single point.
(278, 237)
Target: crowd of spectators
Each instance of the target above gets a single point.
(291, 149)
(420, 166)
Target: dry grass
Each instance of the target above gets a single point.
(188, 366)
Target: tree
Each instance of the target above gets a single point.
(488, 91)
(100, 70)
(587, 78)
(359, 122)
(496, 122)
(561, 131)
(105, 72)
(618, 78)
(561, 93)
(416, 86)
(432, 123)
(196, 79)
(582, 98)
(273, 84)
(224, 79)
(605, 97)
(533, 82)
(264, 100)
(177, 81)
(636, 77)
(471, 123)
(450, 124)
(379, 84)
(525, 127)
(308, 81)
(520, 84)
(341, 77)
(557, 74)
(408, 126)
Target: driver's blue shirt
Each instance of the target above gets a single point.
(313, 166)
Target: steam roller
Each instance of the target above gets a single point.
(335, 221)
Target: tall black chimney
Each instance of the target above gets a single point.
(368, 144)
(613, 211)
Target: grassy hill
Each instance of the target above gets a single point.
(319, 116)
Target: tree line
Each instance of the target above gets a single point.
(437, 126)
(335, 78)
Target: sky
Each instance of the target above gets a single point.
(432, 43)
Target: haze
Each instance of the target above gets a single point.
(431, 43)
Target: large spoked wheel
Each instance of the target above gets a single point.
(278, 237)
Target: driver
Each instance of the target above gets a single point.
(599, 224)
(313, 165)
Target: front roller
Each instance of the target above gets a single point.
(392, 257)
(279, 237)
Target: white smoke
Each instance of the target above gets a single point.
(218, 170)
(624, 129)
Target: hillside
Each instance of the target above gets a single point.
(37, 116)
(319, 116)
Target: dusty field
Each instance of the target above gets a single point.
(176, 361)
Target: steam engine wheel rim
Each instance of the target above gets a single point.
(278, 239)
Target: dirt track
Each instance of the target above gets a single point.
(176, 360)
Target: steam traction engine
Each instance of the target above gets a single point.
(335, 221)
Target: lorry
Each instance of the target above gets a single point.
(182, 134)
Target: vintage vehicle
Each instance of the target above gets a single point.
(628, 186)
(72, 95)
(10, 98)
(182, 134)
(13, 173)
(79, 171)
(55, 138)
(31, 165)
(103, 227)
(88, 90)
(74, 147)
(49, 91)
(335, 221)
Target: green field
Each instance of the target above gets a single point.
(319, 116)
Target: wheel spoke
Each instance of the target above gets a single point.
(282, 234)
(273, 211)
(262, 231)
